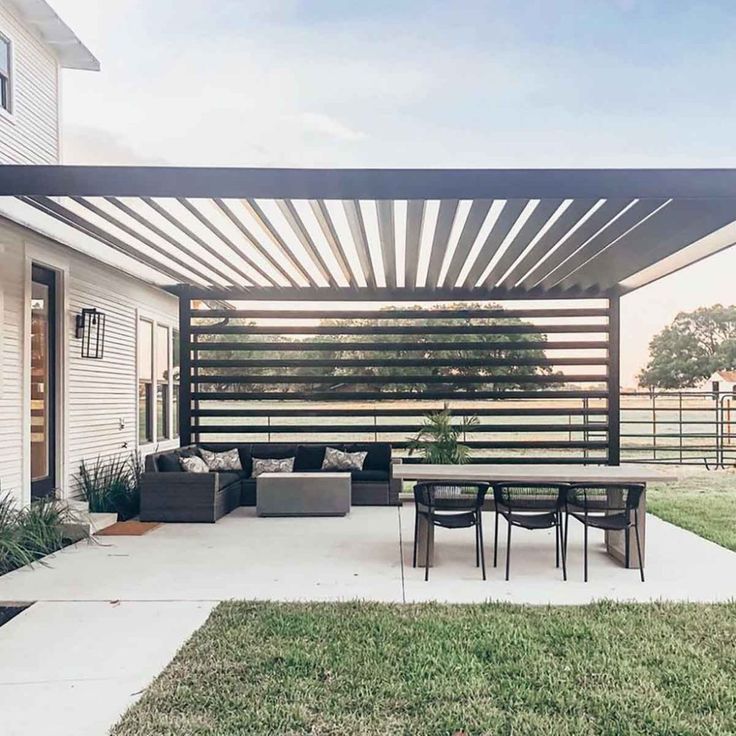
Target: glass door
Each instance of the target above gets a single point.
(43, 382)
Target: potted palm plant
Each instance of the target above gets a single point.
(439, 441)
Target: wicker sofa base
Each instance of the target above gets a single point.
(186, 497)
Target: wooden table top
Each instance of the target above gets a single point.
(541, 473)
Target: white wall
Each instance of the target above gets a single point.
(96, 396)
(30, 135)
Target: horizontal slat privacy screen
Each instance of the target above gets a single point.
(535, 376)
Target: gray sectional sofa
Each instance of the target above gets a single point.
(170, 494)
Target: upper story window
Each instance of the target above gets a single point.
(5, 64)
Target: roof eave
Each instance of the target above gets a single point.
(69, 49)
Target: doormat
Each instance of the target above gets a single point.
(132, 528)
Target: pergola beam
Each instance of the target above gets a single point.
(282, 183)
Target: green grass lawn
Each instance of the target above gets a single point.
(703, 502)
(358, 669)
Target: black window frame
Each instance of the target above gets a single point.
(6, 78)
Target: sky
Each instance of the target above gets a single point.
(523, 83)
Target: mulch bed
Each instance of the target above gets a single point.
(132, 528)
(8, 612)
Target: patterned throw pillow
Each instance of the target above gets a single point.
(338, 460)
(219, 461)
(272, 465)
(193, 464)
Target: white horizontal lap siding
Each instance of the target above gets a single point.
(102, 393)
(11, 382)
(31, 134)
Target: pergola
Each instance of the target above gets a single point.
(216, 237)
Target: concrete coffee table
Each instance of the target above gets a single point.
(303, 494)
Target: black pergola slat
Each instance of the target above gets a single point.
(286, 411)
(473, 223)
(392, 428)
(341, 346)
(413, 314)
(420, 330)
(395, 362)
(44, 204)
(338, 380)
(172, 256)
(220, 235)
(392, 395)
(639, 212)
(506, 220)
(600, 219)
(177, 244)
(193, 236)
(322, 215)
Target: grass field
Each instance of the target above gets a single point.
(381, 670)
(701, 501)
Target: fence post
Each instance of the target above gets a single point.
(614, 380)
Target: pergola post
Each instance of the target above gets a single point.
(185, 367)
(614, 380)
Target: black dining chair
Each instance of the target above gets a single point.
(607, 506)
(451, 506)
(530, 506)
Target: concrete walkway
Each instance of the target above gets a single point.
(110, 615)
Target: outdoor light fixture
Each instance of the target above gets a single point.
(90, 329)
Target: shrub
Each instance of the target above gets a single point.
(112, 485)
(31, 533)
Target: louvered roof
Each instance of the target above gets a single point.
(371, 232)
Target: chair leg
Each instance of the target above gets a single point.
(416, 532)
(638, 545)
(495, 543)
(426, 550)
(567, 529)
(477, 546)
(562, 545)
(585, 551)
(627, 536)
(480, 544)
(557, 546)
(508, 550)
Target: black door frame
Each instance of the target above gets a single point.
(48, 277)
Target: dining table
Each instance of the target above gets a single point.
(542, 473)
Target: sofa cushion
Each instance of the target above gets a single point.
(193, 464)
(225, 479)
(337, 460)
(272, 465)
(273, 451)
(222, 461)
(369, 476)
(309, 457)
(378, 457)
(168, 462)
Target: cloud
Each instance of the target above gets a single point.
(329, 126)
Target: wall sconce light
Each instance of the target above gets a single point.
(90, 329)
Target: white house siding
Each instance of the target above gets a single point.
(98, 402)
(31, 134)
(11, 350)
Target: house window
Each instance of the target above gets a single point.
(163, 383)
(176, 372)
(158, 382)
(5, 73)
(145, 381)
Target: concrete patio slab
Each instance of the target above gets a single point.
(72, 669)
(364, 556)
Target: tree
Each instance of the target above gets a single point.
(690, 349)
(366, 358)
